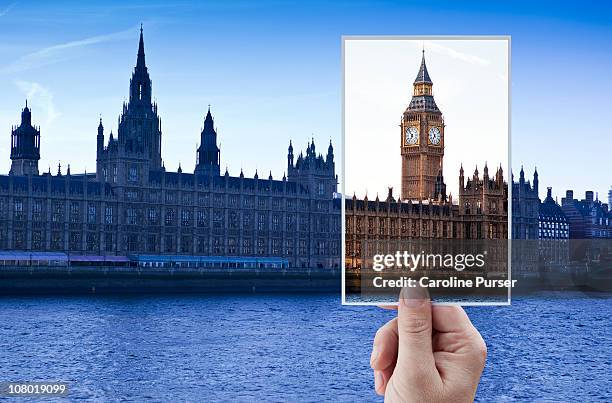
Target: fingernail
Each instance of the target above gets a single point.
(378, 380)
(413, 297)
(374, 355)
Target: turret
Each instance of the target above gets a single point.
(290, 156)
(330, 153)
(100, 139)
(536, 182)
(25, 146)
(208, 154)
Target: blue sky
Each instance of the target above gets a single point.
(271, 72)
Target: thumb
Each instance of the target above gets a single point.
(415, 358)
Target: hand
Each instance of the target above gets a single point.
(428, 353)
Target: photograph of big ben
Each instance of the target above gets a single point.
(426, 147)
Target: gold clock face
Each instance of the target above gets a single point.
(435, 136)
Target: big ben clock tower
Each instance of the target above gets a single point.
(422, 141)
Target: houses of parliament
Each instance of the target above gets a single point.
(133, 205)
(423, 209)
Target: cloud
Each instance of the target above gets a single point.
(60, 52)
(466, 57)
(7, 9)
(39, 97)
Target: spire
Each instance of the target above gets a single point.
(423, 75)
(140, 62)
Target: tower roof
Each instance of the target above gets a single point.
(423, 75)
(140, 62)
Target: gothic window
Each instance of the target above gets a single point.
(288, 247)
(275, 222)
(108, 215)
(58, 212)
(19, 240)
(303, 248)
(92, 241)
(185, 218)
(321, 188)
(105, 174)
(231, 246)
(131, 216)
(233, 201)
(170, 197)
(218, 245)
(304, 223)
(57, 241)
(91, 213)
(37, 240)
(114, 174)
(249, 201)
(152, 216)
(74, 212)
(233, 220)
(261, 246)
(261, 222)
(133, 174)
(75, 241)
(262, 202)
(202, 245)
(37, 210)
(275, 203)
(276, 247)
(218, 219)
(170, 216)
(247, 247)
(203, 199)
(247, 221)
(290, 222)
(335, 250)
(349, 226)
(202, 218)
(187, 199)
(18, 210)
(381, 226)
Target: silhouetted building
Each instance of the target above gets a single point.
(553, 223)
(525, 207)
(25, 146)
(588, 218)
(132, 205)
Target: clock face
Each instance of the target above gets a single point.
(434, 136)
(412, 135)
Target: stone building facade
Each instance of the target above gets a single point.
(132, 205)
